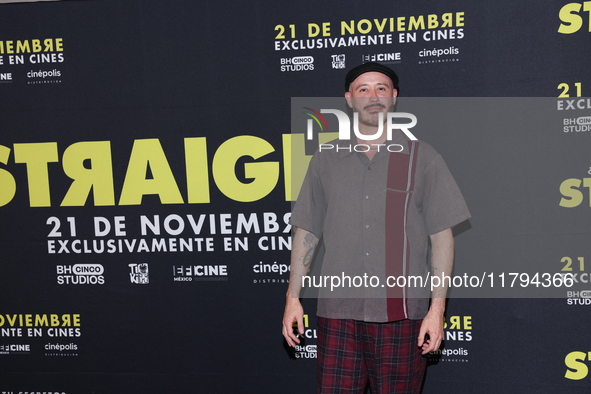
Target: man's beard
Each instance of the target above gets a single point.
(369, 116)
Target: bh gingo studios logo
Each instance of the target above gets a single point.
(344, 123)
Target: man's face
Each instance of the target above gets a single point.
(369, 94)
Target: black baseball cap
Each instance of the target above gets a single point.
(368, 67)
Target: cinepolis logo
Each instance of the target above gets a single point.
(345, 129)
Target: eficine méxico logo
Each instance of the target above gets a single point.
(345, 130)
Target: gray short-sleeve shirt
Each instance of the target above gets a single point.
(343, 201)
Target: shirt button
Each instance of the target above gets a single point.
(367, 226)
(367, 197)
(367, 253)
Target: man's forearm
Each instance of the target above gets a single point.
(303, 246)
(442, 257)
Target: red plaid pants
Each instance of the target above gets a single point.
(354, 354)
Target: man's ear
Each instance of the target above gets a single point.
(348, 98)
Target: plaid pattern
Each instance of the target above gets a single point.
(353, 354)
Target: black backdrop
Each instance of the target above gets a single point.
(153, 102)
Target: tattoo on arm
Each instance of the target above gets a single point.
(310, 242)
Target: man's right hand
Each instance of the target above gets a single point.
(303, 246)
(294, 312)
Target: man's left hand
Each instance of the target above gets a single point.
(432, 326)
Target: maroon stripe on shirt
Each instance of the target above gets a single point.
(401, 174)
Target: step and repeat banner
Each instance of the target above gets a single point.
(147, 175)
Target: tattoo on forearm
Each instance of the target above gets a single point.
(310, 242)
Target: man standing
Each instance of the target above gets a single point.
(376, 210)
